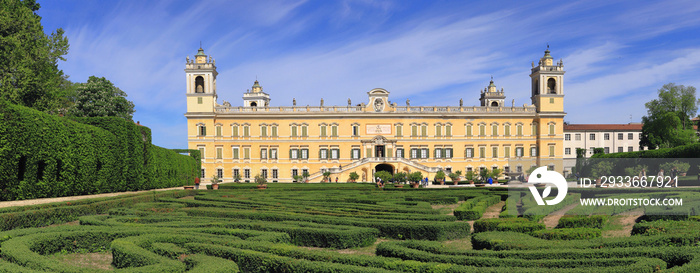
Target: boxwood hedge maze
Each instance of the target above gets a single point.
(341, 228)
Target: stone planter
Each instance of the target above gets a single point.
(415, 185)
(189, 187)
(262, 187)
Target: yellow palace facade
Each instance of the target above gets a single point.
(281, 142)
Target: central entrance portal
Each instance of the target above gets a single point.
(384, 167)
(379, 151)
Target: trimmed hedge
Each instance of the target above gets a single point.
(583, 221)
(49, 156)
(568, 233)
(474, 208)
(492, 224)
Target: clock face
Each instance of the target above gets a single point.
(378, 105)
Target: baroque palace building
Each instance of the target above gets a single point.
(280, 142)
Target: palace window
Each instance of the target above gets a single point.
(448, 130)
(236, 173)
(469, 130)
(533, 151)
(335, 153)
(264, 173)
(567, 151)
(218, 130)
(275, 174)
(263, 153)
(201, 151)
(567, 137)
(246, 173)
(620, 136)
(519, 129)
(494, 152)
(273, 128)
(273, 153)
(630, 136)
(202, 130)
(399, 152)
(551, 129)
(414, 153)
(533, 130)
(323, 153)
(607, 150)
(294, 131)
(424, 130)
(551, 150)
(424, 153)
(438, 130)
(494, 130)
(234, 130)
(204, 173)
(577, 137)
(469, 152)
(482, 152)
(620, 149)
(399, 130)
(304, 153)
(219, 173)
(438, 153)
(246, 153)
(506, 152)
(246, 130)
(414, 130)
(448, 153)
(482, 130)
(304, 131)
(219, 152)
(606, 136)
(263, 131)
(294, 153)
(323, 130)
(334, 130)
(629, 148)
(519, 151)
(506, 130)
(295, 172)
(355, 130)
(355, 153)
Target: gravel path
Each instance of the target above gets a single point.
(552, 220)
(30, 202)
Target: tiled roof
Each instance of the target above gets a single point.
(603, 127)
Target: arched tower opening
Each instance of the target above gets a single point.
(551, 86)
(199, 84)
(253, 104)
(495, 103)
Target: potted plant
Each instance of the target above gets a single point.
(305, 175)
(495, 173)
(237, 178)
(354, 176)
(261, 181)
(326, 176)
(469, 176)
(415, 178)
(440, 177)
(298, 178)
(483, 175)
(603, 168)
(400, 179)
(455, 177)
(215, 182)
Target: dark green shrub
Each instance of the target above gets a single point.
(568, 233)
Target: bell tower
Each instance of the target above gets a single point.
(255, 97)
(200, 74)
(490, 96)
(548, 84)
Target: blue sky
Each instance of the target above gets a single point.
(616, 54)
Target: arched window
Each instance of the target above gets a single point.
(199, 84)
(253, 104)
(551, 86)
(495, 103)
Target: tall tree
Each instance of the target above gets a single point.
(100, 98)
(29, 73)
(668, 122)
